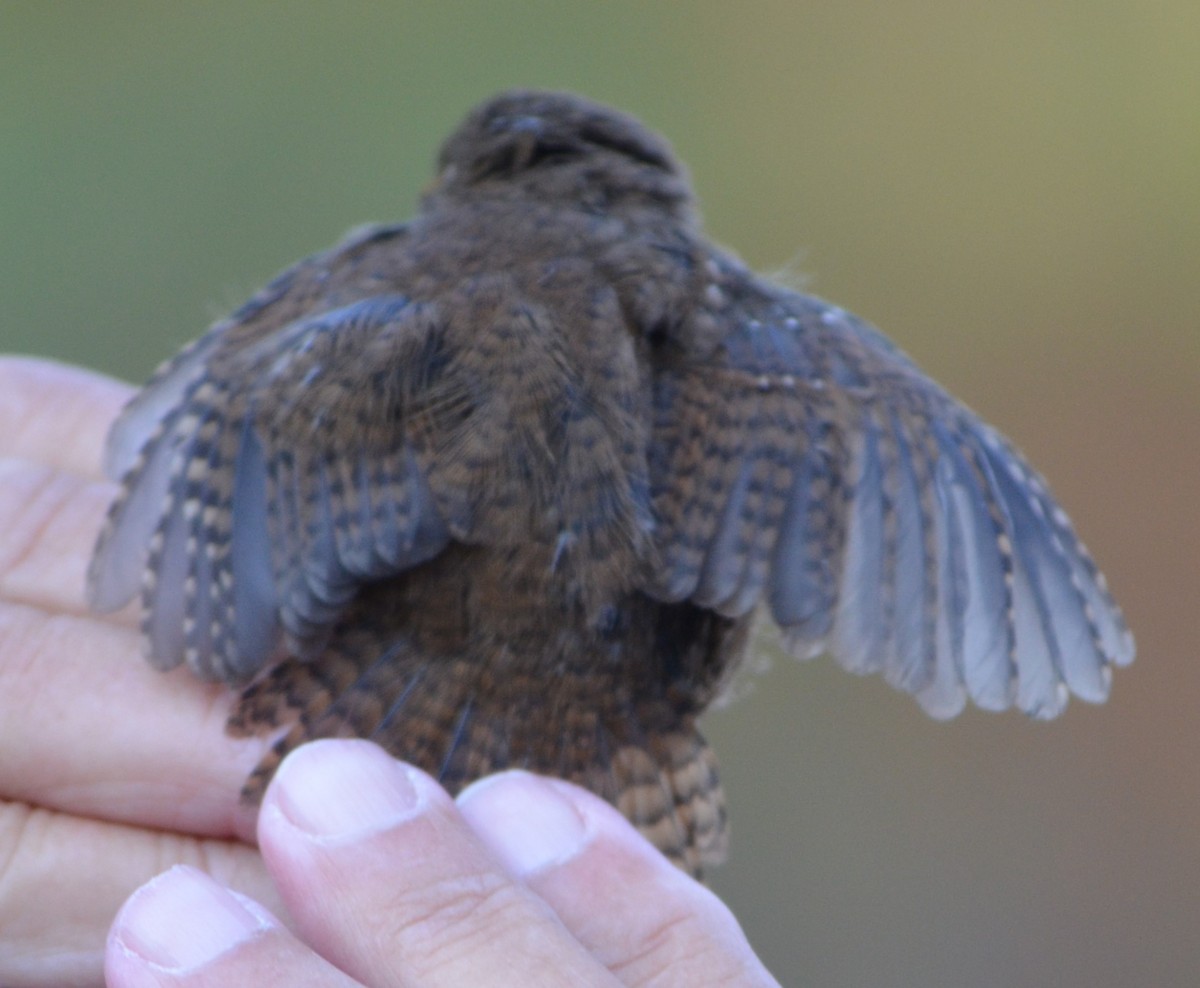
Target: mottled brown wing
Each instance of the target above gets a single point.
(808, 464)
(319, 419)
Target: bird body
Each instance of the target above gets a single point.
(504, 485)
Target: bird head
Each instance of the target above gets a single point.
(559, 147)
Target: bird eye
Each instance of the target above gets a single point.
(524, 152)
(552, 152)
(626, 144)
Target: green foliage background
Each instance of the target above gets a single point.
(1012, 191)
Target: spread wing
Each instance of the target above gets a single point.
(267, 476)
(808, 464)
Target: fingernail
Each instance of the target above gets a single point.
(183, 920)
(524, 820)
(344, 790)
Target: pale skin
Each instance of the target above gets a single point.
(366, 872)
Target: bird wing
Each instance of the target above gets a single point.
(807, 463)
(267, 475)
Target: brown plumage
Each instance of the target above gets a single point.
(504, 485)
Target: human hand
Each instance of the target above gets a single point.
(113, 772)
(110, 771)
(522, 881)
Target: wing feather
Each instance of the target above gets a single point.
(232, 527)
(807, 463)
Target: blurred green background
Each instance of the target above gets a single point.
(1012, 191)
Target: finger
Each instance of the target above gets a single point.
(62, 879)
(183, 929)
(384, 878)
(55, 414)
(642, 917)
(87, 727)
(157, 753)
(48, 524)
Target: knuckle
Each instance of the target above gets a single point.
(691, 933)
(659, 947)
(452, 915)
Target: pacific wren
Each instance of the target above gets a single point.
(503, 486)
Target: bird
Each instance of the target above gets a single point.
(509, 484)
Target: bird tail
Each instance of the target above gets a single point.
(459, 718)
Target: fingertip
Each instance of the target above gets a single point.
(342, 790)
(180, 922)
(535, 824)
(347, 832)
(528, 823)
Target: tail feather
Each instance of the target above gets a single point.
(460, 719)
